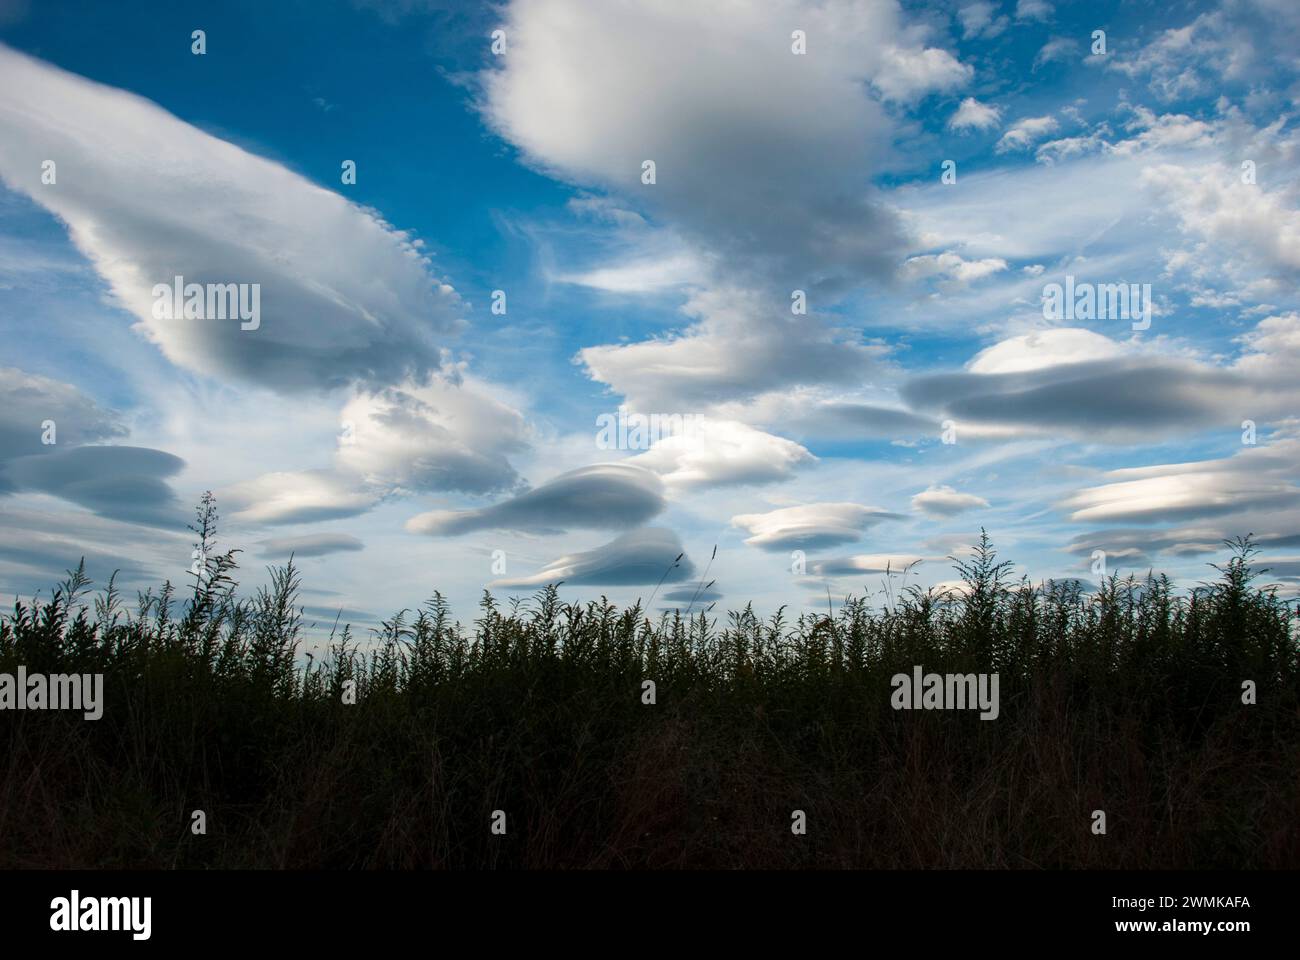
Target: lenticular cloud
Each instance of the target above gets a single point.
(147, 198)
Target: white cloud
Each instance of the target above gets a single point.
(744, 343)
(1044, 348)
(907, 75)
(1033, 10)
(1055, 213)
(301, 496)
(344, 297)
(1058, 48)
(644, 557)
(449, 434)
(978, 20)
(1260, 477)
(1054, 151)
(1248, 220)
(1076, 383)
(940, 502)
(973, 115)
(809, 526)
(715, 453)
(1235, 45)
(725, 110)
(1165, 131)
(645, 275)
(1025, 132)
(951, 267)
(886, 563)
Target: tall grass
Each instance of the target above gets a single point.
(1127, 699)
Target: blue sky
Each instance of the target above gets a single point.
(398, 435)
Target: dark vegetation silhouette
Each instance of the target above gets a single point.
(1126, 699)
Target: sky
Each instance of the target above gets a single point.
(640, 296)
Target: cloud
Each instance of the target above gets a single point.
(1044, 348)
(1033, 10)
(1063, 148)
(299, 496)
(44, 560)
(602, 496)
(743, 343)
(1288, 568)
(310, 545)
(714, 453)
(893, 564)
(639, 557)
(448, 434)
(1120, 401)
(28, 401)
(811, 526)
(762, 157)
(1260, 478)
(120, 483)
(1167, 131)
(1080, 383)
(38, 545)
(941, 502)
(37, 564)
(978, 20)
(1212, 203)
(1137, 547)
(811, 413)
(908, 75)
(1178, 58)
(951, 268)
(444, 435)
(859, 419)
(344, 296)
(1056, 213)
(973, 115)
(1025, 132)
(1175, 495)
(641, 275)
(345, 299)
(1058, 48)
(347, 615)
(696, 593)
(1235, 45)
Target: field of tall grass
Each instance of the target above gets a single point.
(1126, 699)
